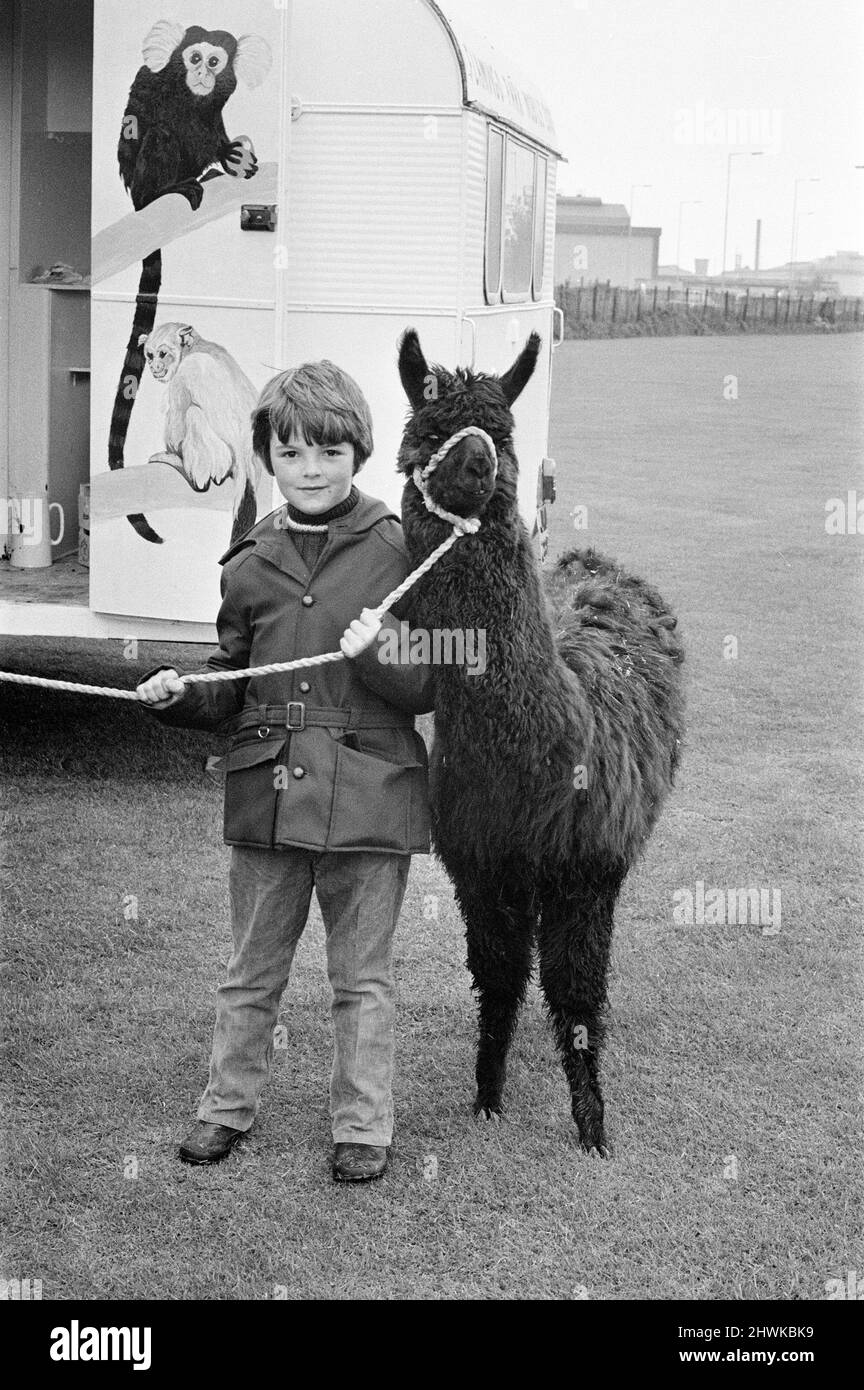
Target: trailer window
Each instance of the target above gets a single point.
(516, 187)
(518, 258)
(494, 201)
(539, 227)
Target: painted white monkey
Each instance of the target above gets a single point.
(208, 427)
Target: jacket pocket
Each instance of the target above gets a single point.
(378, 803)
(250, 790)
(392, 745)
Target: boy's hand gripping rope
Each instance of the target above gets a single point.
(461, 526)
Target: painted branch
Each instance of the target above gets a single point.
(170, 217)
(152, 487)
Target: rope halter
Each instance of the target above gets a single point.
(462, 525)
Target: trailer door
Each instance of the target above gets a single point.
(167, 450)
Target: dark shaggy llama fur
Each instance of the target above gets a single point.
(550, 768)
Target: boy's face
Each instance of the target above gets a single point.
(312, 477)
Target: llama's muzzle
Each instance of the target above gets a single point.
(453, 440)
(420, 475)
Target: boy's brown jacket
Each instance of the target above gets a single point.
(325, 758)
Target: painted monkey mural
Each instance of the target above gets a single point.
(208, 434)
(172, 136)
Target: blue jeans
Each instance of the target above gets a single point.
(360, 895)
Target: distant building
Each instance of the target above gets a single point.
(845, 269)
(840, 275)
(595, 241)
(735, 281)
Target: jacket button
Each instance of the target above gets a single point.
(305, 687)
(307, 600)
(299, 772)
(264, 731)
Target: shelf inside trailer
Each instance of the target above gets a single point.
(66, 581)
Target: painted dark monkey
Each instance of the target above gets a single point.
(172, 136)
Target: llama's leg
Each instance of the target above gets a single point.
(575, 940)
(500, 925)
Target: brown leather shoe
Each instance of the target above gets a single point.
(358, 1162)
(208, 1143)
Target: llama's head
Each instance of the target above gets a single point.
(443, 403)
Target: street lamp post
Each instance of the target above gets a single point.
(687, 203)
(633, 188)
(794, 245)
(730, 157)
(802, 216)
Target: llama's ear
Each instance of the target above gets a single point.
(513, 383)
(413, 368)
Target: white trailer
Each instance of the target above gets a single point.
(405, 176)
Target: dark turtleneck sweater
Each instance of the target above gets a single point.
(311, 543)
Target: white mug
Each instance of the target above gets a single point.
(28, 524)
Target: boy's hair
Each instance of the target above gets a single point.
(317, 402)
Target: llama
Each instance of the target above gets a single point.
(549, 769)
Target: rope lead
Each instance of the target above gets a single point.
(274, 668)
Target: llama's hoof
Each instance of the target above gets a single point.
(591, 1129)
(489, 1110)
(600, 1151)
(592, 1138)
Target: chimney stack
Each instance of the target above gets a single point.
(758, 243)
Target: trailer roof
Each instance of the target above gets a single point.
(493, 84)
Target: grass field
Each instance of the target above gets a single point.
(733, 1064)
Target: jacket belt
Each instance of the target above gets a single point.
(298, 715)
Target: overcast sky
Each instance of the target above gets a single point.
(651, 93)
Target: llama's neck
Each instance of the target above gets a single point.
(486, 592)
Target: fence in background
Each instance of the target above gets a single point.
(610, 304)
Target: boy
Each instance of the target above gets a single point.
(325, 774)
